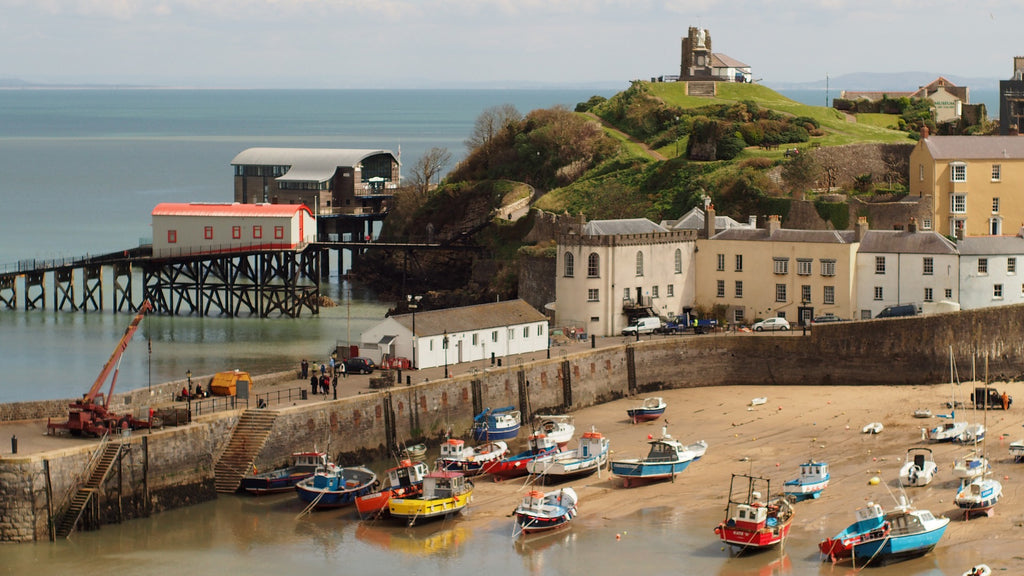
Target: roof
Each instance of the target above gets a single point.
(305, 164)
(974, 147)
(787, 235)
(622, 226)
(719, 60)
(468, 318)
(982, 245)
(229, 209)
(903, 242)
(694, 220)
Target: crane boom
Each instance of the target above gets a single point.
(118, 351)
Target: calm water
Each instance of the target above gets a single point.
(83, 169)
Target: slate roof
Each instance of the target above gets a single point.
(694, 220)
(468, 318)
(719, 60)
(982, 245)
(975, 147)
(787, 235)
(622, 226)
(903, 242)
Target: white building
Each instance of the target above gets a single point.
(614, 270)
(989, 273)
(455, 335)
(905, 267)
(215, 228)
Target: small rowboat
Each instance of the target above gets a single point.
(650, 409)
(872, 428)
(540, 512)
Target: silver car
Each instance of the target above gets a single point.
(772, 324)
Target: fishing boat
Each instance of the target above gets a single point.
(753, 521)
(497, 424)
(982, 492)
(665, 458)
(514, 466)
(333, 486)
(919, 468)
(970, 466)
(304, 464)
(557, 427)
(541, 512)
(445, 493)
(814, 477)
(650, 409)
(954, 429)
(584, 460)
(470, 460)
(403, 481)
(881, 537)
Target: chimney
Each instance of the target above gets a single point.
(861, 230)
(773, 224)
(912, 226)
(924, 132)
(709, 221)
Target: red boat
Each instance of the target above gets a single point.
(752, 521)
(514, 466)
(404, 481)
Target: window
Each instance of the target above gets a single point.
(670, 290)
(679, 261)
(780, 292)
(928, 266)
(830, 295)
(739, 262)
(878, 292)
(828, 267)
(278, 232)
(526, 331)
(540, 328)
(997, 291)
(236, 232)
(956, 226)
(569, 264)
(720, 289)
(208, 232)
(1011, 265)
(995, 205)
(927, 294)
(737, 316)
(920, 172)
(654, 292)
(625, 294)
(172, 236)
(982, 265)
(949, 293)
(996, 170)
(721, 262)
(639, 263)
(739, 288)
(926, 224)
(958, 203)
(957, 172)
(879, 264)
(475, 339)
(781, 265)
(803, 266)
(257, 232)
(995, 226)
(592, 295)
(593, 265)
(511, 334)
(805, 293)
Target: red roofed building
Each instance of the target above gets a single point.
(212, 228)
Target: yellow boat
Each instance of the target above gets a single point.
(445, 493)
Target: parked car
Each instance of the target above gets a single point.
(360, 365)
(826, 318)
(896, 311)
(771, 324)
(645, 325)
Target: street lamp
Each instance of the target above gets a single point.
(444, 344)
(414, 302)
(188, 397)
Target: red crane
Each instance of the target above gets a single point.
(90, 415)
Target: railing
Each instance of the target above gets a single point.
(213, 404)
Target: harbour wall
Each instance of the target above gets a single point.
(174, 467)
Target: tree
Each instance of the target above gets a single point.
(801, 171)
(490, 122)
(428, 167)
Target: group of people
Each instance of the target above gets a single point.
(322, 384)
(194, 395)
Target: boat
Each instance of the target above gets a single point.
(304, 464)
(978, 570)
(445, 493)
(557, 427)
(872, 428)
(919, 468)
(415, 452)
(665, 458)
(752, 520)
(699, 448)
(954, 429)
(972, 433)
(881, 537)
(587, 458)
(515, 465)
(814, 477)
(333, 486)
(541, 512)
(403, 481)
(970, 465)
(982, 492)
(1017, 450)
(497, 424)
(922, 413)
(650, 409)
(758, 401)
(470, 460)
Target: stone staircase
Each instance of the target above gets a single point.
(96, 472)
(701, 88)
(247, 439)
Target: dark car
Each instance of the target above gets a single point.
(826, 318)
(360, 365)
(897, 311)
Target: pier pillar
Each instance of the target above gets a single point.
(9, 291)
(123, 288)
(92, 288)
(64, 289)
(35, 290)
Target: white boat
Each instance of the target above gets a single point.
(970, 466)
(557, 427)
(922, 413)
(540, 512)
(698, 448)
(872, 428)
(947, 431)
(588, 458)
(758, 401)
(978, 496)
(814, 477)
(978, 570)
(919, 468)
(1017, 450)
(972, 433)
(470, 460)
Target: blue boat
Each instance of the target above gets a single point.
(335, 486)
(814, 477)
(883, 537)
(497, 424)
(649, 409)
(666, 458)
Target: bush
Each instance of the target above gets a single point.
(729, 147)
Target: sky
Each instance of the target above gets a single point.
(490, 43)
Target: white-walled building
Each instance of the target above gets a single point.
(905, 267)
(617, 269)
(989, 271)
(473, 333)
(215, 228)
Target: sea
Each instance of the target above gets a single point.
(81, 172)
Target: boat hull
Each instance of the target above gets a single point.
(335, 491)
(274, 482)
(554, 470)
(486, 434)
(763, 538)
(804, 490)
(896, 548)
(635, 471)
(645, 414)
(376, 504)
(413, 510)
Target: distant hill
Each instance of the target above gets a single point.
(901, 81)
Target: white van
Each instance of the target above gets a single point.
(642, 326)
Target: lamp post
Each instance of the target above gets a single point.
(188, 397)
(414, 302)
(444, 344)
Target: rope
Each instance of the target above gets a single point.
(311, 505)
